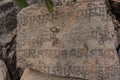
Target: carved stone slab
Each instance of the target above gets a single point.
(75, 40)
(30, 74)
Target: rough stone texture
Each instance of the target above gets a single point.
(55, 2)
(115, 8)
(76, 40)
(34, 1)
(8, 24)
(118, 43)
(116, 0)
(30, 74)
(4, 75)
(7, 17)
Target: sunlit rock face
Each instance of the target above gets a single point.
(76, 40)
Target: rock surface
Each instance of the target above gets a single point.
(55, 2)
(8, 24)
(30, 74)
(30, 2)
(75, 40)
(115, 8)
(4, 75)
(118, 43)
(116, 0)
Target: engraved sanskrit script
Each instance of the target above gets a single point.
(76, 41)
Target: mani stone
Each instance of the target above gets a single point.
(30, 74)
(4, 75)
(76, 40)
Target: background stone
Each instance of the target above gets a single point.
(115, 8)
(4, 75)
(8, 24)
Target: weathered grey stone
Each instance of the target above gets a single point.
(4, 75)
(8, 24)
(30, 74)
(76, 40)
(8, 21)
